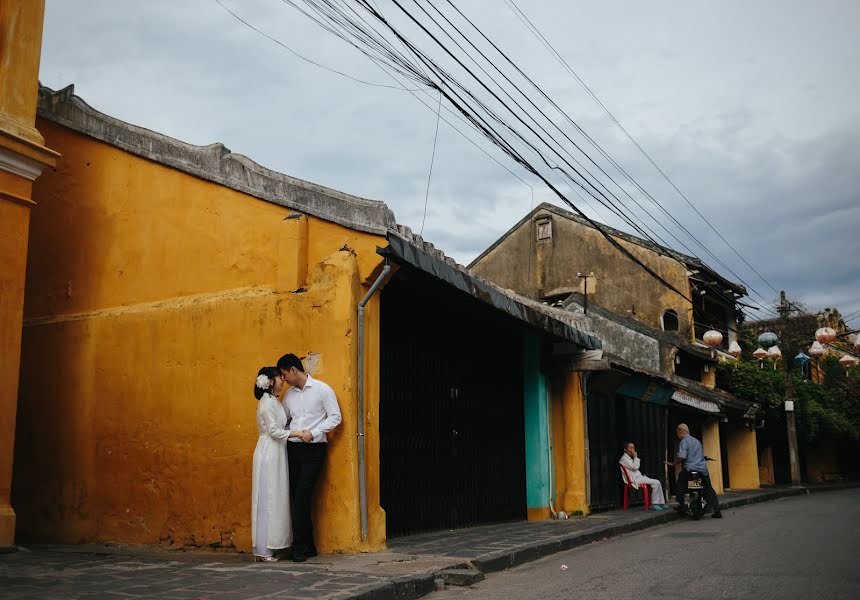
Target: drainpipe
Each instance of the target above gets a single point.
(587, 446)
(362, 473)
(549, 448)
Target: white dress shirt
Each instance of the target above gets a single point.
(314, 408)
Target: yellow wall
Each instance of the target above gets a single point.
(742, 457)
(711, 444)
(152, 300)
(569, 436)
(22, 157)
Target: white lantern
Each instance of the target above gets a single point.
(735, 349)
(847, 361)
(816, 350)
(774, 353)
(825, 335)
(760, 353)
(713, 339)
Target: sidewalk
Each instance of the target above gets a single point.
(407, 570)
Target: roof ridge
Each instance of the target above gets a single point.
(217, 163)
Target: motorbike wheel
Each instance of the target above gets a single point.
(696, 505)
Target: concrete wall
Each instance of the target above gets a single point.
(152, 298)
(536, 268)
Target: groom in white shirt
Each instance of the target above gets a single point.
(312, 406)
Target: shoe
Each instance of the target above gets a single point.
(717, 515)
(657, 507)
(680, 508)
(299, 557)
(311, 553)
(265, 558)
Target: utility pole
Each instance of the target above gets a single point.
(585, 290)
(784, 311)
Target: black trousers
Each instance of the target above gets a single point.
(710, 494)
(306, 464)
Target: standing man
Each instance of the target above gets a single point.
(630, 461)
(312, 406)
(691, 456)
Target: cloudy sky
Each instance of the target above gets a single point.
(750, 107)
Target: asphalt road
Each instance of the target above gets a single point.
(799, 547)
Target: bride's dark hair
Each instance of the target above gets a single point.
(271, 373)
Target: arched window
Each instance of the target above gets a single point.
(670, 320)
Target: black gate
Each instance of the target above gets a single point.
(612, 421)
(452, 449)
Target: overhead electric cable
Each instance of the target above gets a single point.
(535, 31)
(432, 159)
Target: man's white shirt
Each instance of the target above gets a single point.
(632, 466)
(314, 408)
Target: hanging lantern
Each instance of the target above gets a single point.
(816, 350)
(774, 353)
(857, 341)
(713, 339)
(735, 349)
(825, 335)
(847, 361)
(802, 360)
(760, 354)
(767, 339)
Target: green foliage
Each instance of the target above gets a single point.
(831, 408)
(751, 382)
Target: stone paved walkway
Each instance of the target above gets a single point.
(407, 570)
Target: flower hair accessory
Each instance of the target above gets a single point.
(263, 382)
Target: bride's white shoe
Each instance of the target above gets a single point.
(265, 558)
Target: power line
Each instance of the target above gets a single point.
(432, 158)
(638, 146)
(475, 110)
(567, 117)
(535, 32)
(296, 54)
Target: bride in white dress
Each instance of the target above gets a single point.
(271, 525)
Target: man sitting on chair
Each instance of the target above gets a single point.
(630, 461)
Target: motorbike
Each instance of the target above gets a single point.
(696, 492)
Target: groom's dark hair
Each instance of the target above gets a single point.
(290, 360)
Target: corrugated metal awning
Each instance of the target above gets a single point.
(534, 314)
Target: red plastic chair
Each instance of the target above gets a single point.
(628, 485)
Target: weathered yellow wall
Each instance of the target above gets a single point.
(570, 456)
(621, 286)
(22, 157)
(742, 457)
(151, 303)
(711, 444)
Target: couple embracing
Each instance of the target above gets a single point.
(289, 457)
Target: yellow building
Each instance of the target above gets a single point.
(23, 156)
(161, 275)
(652, 331)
